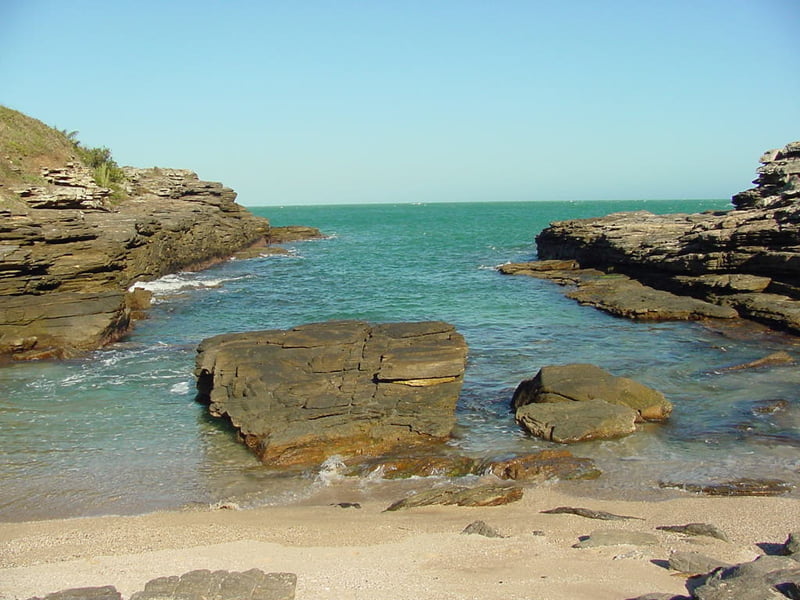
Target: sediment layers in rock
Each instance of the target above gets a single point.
(68, 252)
(746, 260)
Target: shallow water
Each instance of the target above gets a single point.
(119, 431)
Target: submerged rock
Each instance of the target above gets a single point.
(537, 467)
(350, 388)
(544, 465)
(737, 487)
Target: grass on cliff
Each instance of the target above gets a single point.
(27, 145)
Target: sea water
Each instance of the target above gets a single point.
(119, 431)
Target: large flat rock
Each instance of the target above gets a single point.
(352, 388)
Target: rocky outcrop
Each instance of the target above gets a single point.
(778, 180)
(580, 402)
(69, 252)
(350, 388)
(746, 261)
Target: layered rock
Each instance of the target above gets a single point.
(574, 403)
(66, 268)
(68, 253)
(746, 260)
(70, 248)
(350, 388)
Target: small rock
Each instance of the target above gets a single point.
(481, 528)
(486, 495)
(694, 563)
(588, 513)
(792, 545)
(776, 358)
(225, 506)
(696, 529)
(770, 407)
(617, 537)
(108, 592)
(659, 596)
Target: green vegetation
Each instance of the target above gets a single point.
(27, 145)
(106, 170)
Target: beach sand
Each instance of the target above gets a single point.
(368, 554)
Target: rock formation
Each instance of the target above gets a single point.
(351, 388)
(69, 248)
(574, 403)
(743, 262)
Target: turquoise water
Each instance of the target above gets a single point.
(119, 431)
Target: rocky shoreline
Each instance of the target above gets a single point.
(71, 250)
(717, 265)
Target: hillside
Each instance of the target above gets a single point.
(27, 145)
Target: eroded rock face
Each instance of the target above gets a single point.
(68, 253)
(746, 261)
(351, 388)
(581, 402)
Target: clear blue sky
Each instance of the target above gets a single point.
(312, 102)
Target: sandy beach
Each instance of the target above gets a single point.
(366, 553)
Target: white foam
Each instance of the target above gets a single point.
(180, 388)
(176, 283)
(331, 470)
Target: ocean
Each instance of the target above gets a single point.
(119, 432)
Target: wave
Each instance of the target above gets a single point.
(177, 283)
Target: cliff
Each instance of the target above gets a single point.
(745, 260)
(70, 248)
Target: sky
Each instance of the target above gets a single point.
(343, 101)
